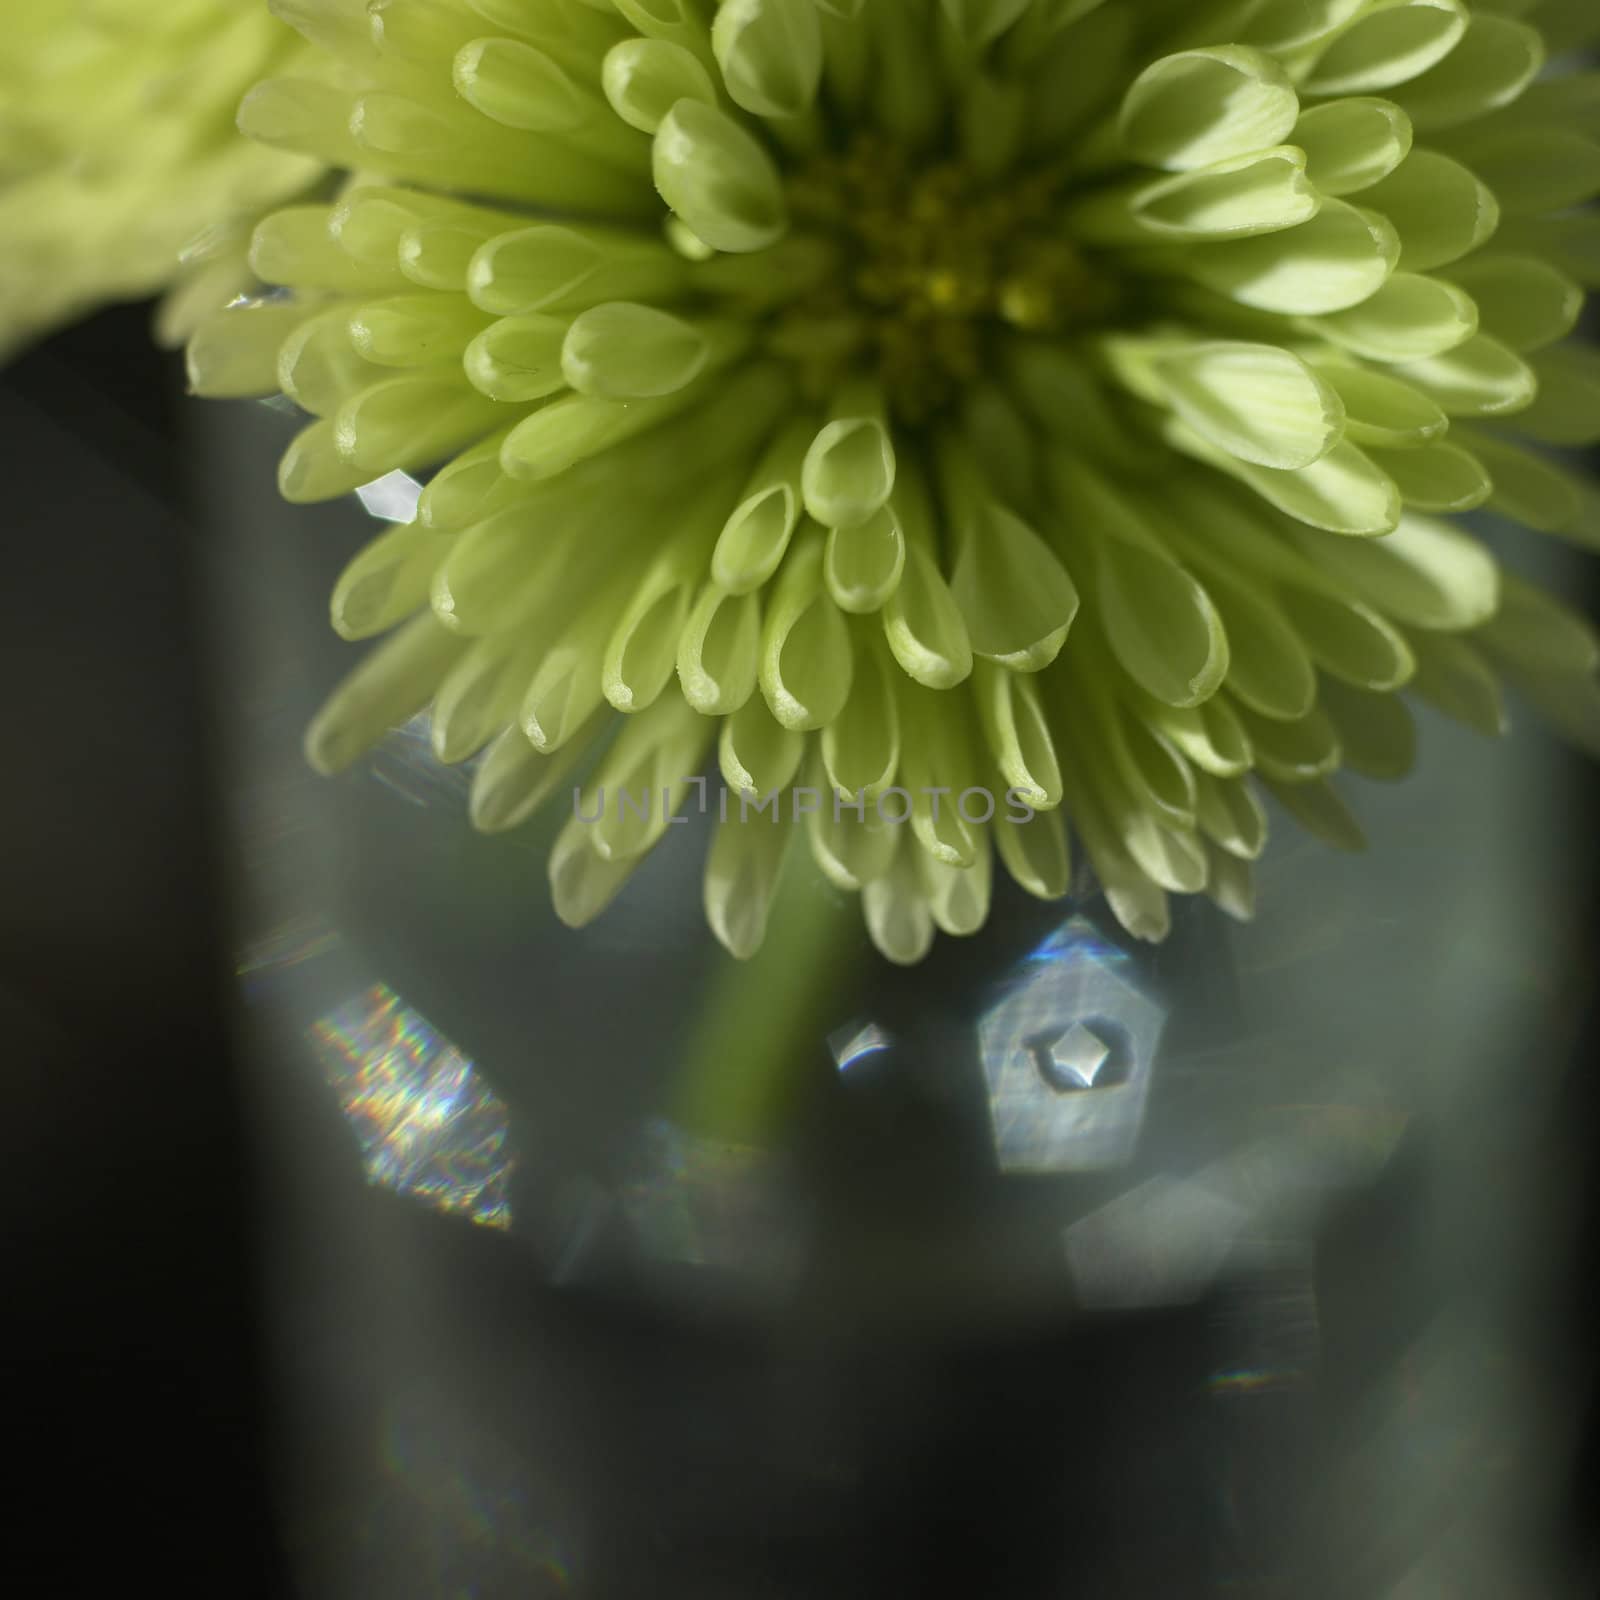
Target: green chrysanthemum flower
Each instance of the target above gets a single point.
(118, 147)
(950, 397)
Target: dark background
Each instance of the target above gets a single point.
(137, 1419)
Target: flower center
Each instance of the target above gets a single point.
(940, 264)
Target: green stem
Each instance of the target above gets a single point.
(758, 1032)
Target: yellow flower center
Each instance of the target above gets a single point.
(938, 262)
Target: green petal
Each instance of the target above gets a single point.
(1480, 378)
(1380, 410)
(1440, 209)
(1263, 193)
(1293, 752)
(551, 267)
(1524, 302)
(623, 351)
(1336, 260)
(1230, 884)
(1566, 410)
(1231, 815)
(1344, 492)
(923, 624)
(1536, 634)
(1036, 853)
(414, 330)
(1348, 640)
(1453, 677)
(1016, 598)
(1426, 573)
(896, 914)
(741, 880)
(233, 355)
(1439, 477)
(806, 654)
(565, 691)
(582, 882)
(386, 582)
(1203, 106)
(958, 897)
(861, 746)
(1539, 169)
(644, 78)
(757, 754)
(514, 780)
(849, 470)
(1321, 810)
(479, 695)
(1351, 144)
(1376, 734)
(1409, 318)
(1489, 68)
(719, 650)
(653, 761)
(1209, 735)
(770, 52)
(393, 682)
(1531, 490)
(718, 179)
(1017, 732)
(517, 359)
(759, 528)
(1160, 623)
(936, 754)
(1256, 401)
(1393, 42)
(862, 565)
(411, 422)
(851, 852)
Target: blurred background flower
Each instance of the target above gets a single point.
(121, 169)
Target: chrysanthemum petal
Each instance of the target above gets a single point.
(860, 748)
(1426, 573)
(896, 912)
(1442, 476)
(386, 582)
(758, 529)
(1381, 410)
(1258, 402)
(514, 780)
(1453, 677)
(1480, 378)
(923, 624)
(958, 897)
(757, 754)
(862, 565)
(1334, 261)
(1524, 302)
(644, 79)
(718, 178)
(644, 778)
(1016, 728)
(1231, 815)
(1389, 43)
(394, 682)
(806, 654)
(1351, 143)
(1409, 318)
(718, 651)
(1440, 210)
(1199, 107)
(770, 52)
(1377, 736)
(1037, 853)
(741, 879)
